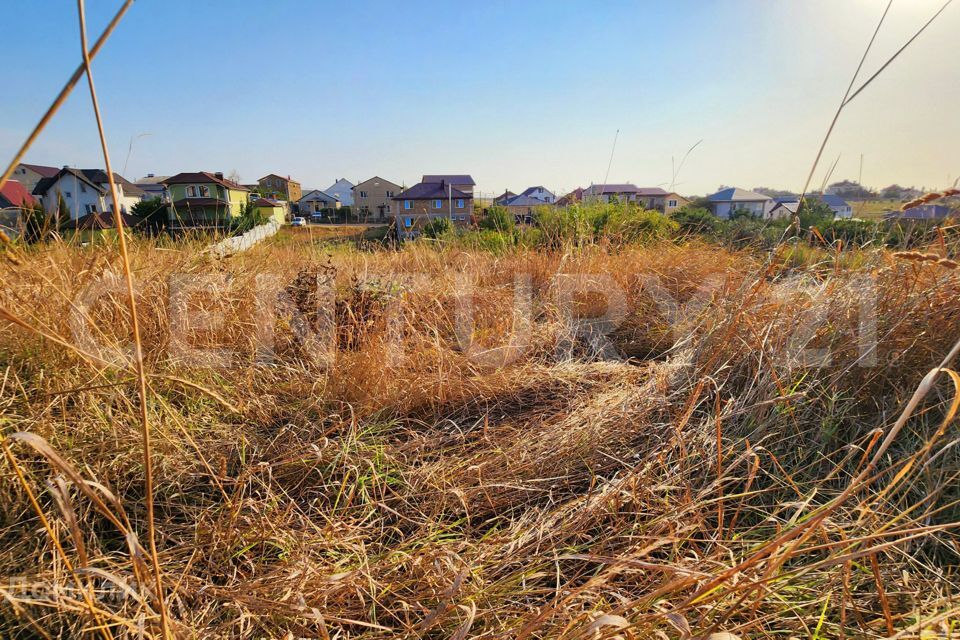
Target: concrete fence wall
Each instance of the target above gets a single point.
(236, 244)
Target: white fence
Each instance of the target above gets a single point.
(236, 244)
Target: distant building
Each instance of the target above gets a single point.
(14, 198)
(727, 201)
(506, 195)
(923, 212)
(437, 196)
(373, 199)
(279, 188)
(653, 198)
(342, 190)
(540, 193)
(271, 209)
(839, 206)
(573, 197)
(202, 199)
(782, 210)
(85, 191)
(522, 207)
(30, 174)
(153, 187)
(317, 204)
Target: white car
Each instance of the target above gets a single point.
(299, 222)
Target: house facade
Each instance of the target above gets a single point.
(14, 198)
(85, 191)
(318, 204)
(272, 210)
(30, 174)
(373, 199)
(438, 198)
(730, 200)
(839, 206)
(923, 212)
(342, 190)
(276, 187)
(204, 200)
(539, 193)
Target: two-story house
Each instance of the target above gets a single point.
(373, 199)
(85, 191)
(437, 196)
(540, 193)
(342, 190)
(30, 174)
(276, 187)
(204, 200)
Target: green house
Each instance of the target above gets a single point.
(204, 200)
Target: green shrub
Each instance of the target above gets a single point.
(498, 219)
(437, 227)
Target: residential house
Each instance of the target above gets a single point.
(782, 209)
(573, 197)
(201, 199)
(923, 212)
(14, 198)
(727, 201)
(153, 187)
(522, 207)
(653, 198)
(85, 191)
(545, 196)
(318, 204)
(836, 204)
(279, 188)
(30, 174)
(373, 199)
(342, 190)
(443, 196)
(506, 195)
(272, 210)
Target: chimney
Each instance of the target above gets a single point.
(218, 175)
(150, 175)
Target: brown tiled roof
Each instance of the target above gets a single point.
(431, 190)
(201, 177)
(44, 171)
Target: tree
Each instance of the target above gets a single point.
(814, 213)
(498, 219)
(154, 214)
(234, 176)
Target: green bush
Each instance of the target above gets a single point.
(437, 228)
(498, 219)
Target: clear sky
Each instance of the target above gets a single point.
(515, 93)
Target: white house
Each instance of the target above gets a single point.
(342, 190)
(724, 203)
(86, 191)
(540, 193)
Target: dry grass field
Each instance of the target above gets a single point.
(432, 442)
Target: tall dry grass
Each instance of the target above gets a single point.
(668, 493)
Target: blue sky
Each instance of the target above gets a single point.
(515, 93)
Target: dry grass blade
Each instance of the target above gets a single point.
(135, 325)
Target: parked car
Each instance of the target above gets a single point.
(299, 222)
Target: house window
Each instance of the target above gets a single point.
(363, 194)
(67, 194)
(204, 191)
(459, 203)
(90, 208)
(191, 191)
(671, 203)
(437, 204)
(389, 194)
(83, 188)
(407, 204)
(408, 222)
